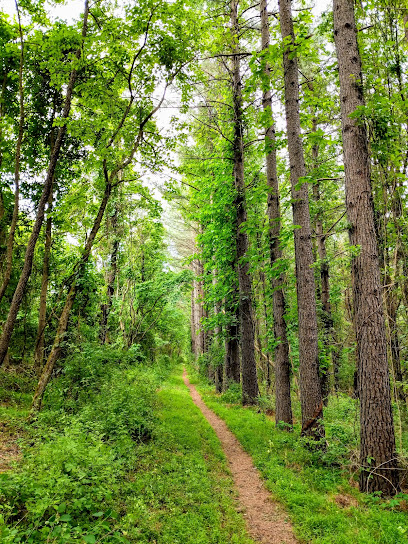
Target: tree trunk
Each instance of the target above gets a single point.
(329, 333)
(250, 389)
(39, 344)
(197, 311)
(282, 363)
(219, 370)
(69, 302)
(10, 240)
(265, 311)
(110, 289)
(200, 310)
(29, 255)
(377, 454)
(232, 358)
(392, 304)
(193, 322)
(310, 392)
(232, 363)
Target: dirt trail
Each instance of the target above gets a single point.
(265, 522)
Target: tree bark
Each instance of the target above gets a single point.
(250, 389)
(29, 255)
(392, 304)
(377, 451)
(232, 357)
(197, 311)
(219, 369)
(310, 391)
(282, 363)
(69, 302)
(200, 310)
(193, 320)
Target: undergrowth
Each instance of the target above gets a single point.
(81, 447)
(119, 454)
(317, 487)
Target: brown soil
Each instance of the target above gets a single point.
(9, 451)
(265, 521)
(345, 501)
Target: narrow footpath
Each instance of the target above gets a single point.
(265, 522)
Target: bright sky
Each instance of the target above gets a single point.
(73, 8)
(70, 11)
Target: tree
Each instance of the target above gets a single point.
(29, 255)
(282, 363)
(248, 366)
(311, 397)
(12, 231)
(377, 449)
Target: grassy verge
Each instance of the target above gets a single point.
(181, 492)
(119, 454)
(320, 496)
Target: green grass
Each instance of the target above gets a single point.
(309, 484)
(181, 492)
(91, 473)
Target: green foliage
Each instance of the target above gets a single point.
(85, 479)
(314, 486)
(15, 387)
(69, 484)
(123, 407)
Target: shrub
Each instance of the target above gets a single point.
(71, 477)
(124, 407)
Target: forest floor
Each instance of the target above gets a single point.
(318, 489)
(210, 472)
(266, 522)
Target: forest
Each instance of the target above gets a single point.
(204, 271)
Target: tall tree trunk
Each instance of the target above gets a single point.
(329, 333)
(10, 241)
(197, 311)
(324, 291)
(265, 312)
(29, 255)
(110, 288)
(282, 363)
(39, 344)
(193, 320)
(392, 304)
(69, 302)
(377, 454)
(310, 392)
(219, 369)
(201, 310)
(250, 389)
(330, 336)
(3, 230)
(232, 356)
